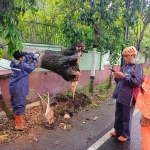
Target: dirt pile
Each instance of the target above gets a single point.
(64, 107)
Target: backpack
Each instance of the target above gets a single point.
(136, 90)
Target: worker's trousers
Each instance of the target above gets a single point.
(18, 104)
(123, 119)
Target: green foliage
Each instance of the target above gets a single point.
(86, 89)
(45, 97)
(70, 21)
(1, 53)
(66, 92)
(145, 48)
(145, 71)
(102, 87)
(10, 13)
(80, 89)
(139, 18)
(59, 110)
(85, 15)
(13, 39)
(32, 91)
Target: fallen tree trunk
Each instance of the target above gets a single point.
(65, 62)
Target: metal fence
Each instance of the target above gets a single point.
(34, 32)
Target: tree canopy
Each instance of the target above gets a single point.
(79, 20)
(10, 13)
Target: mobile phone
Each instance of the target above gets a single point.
(112, 70)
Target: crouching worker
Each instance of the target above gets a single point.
(18, 86)
(143, 104)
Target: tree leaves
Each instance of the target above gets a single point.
(10, 14)
(76, 20)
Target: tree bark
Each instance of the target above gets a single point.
(145, 23)
(65, 62)
(1, 5)
(5, 108)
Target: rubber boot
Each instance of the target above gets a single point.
(19, 119)
(6, 109)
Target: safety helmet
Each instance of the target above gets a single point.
(131, 50)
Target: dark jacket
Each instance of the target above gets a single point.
(124, 88)
(19, 78)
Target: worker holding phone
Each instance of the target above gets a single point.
(126, 80)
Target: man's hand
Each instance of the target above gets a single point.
(144, 121)
(119, 74)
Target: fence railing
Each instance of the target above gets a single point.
(34, 32)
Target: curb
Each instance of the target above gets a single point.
(27, 106)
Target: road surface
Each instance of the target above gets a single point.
(84, 134)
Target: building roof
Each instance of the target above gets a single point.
(5, 67)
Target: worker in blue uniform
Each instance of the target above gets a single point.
(19, 83)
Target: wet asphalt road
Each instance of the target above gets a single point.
(113, 144)
(82, 135)
(133, 144)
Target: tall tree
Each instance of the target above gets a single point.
(145, 47)
(10, 11)
(100, 18)
(138, 17)
(145, 21)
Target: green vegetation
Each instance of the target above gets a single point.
(99, 23)
(84, 90)
(101, 93)
(145, 71)
(1, 53)
(10, 13)
(66, 92)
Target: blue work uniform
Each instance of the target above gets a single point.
(19, 83)
(125, 103)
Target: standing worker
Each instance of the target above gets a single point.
(143, 104)
(18, 86)
(129, 77)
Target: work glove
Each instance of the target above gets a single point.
(36, 56)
